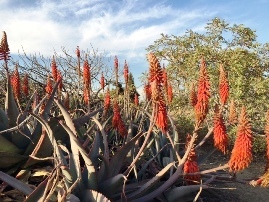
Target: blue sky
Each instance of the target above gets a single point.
(118, 27)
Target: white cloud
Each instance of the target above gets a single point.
(114, 26)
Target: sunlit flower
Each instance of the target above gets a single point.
(117, 122)
(193, 95)
(15, 82)
(60, 80)
(219, 131)
(223, 86)
(191, 166)
(49, 87)
(102, 81)
(78, 52)
(161, 121)
(86, 95)
(25, 85)
(242, 151)
(86, 73)
(107, 101)
(232, 113)
(4, 48)
(54, 69)
(169, 93)
(203, 94)
(126, 72)
(147, 89)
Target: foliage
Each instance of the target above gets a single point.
(58, 144)
(235, 47)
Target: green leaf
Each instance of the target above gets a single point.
(150, 183)
(7, 146)
(17, 184)
(112, 185)
(93, 196)
(117, 160)
(8, 159)
(38, 193)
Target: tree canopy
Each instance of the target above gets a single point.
(234, 46)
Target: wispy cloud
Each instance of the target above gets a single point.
(114, 26)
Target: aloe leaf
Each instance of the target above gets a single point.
(177, 193)
(93, 196)
(8, 159)
(150, 183)
(38, 193)
(3, 117)
(75, 145)
(7, 146)
(101, 128)
(84, 119)
(116, 161)
(11, 108)
(48, 106)
(43, 149)
(17, 184)
(94, 153)
(112, 185)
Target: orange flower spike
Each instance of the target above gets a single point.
(116, 63)
(165, 78)
(102, 81)
(126, 72)
(242, 152)
(201, 107)
(54, 69)
(107, 100)
(161, 121)
(232, 113)
(155, 71)
(117, 122)
(170, 93)
(147, 89)
(86, 73)
(4, 48)
(116, 115)
(223, 86)
(193, 95)
(25, 85)
(49, 87)
(220, 134)
(86, 96)
(60, 79)
(15, 80)
(78, 52)
(191, 165)
(136, 99)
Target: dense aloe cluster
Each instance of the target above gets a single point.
(108, 146)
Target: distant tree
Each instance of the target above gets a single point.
(235, 46)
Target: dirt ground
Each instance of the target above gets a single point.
(231, 191)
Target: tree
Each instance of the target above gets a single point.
(234, 46)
